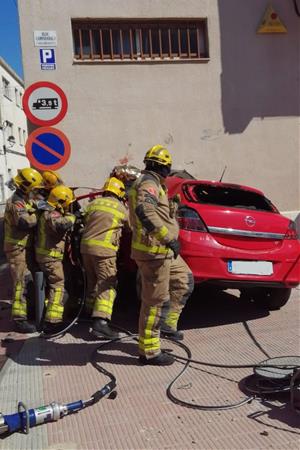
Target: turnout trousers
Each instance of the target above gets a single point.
(20, 260)
(166, 286)
(101, 273)
(55, 282)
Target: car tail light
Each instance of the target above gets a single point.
(189, 219)
(292, 231)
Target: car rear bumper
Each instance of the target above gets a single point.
(208, 261)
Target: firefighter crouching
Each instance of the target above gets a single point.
(20, 220)
(54, 223)
(167, 282)
(104, 219)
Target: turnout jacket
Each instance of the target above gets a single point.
(152, 221)
(104, 219)
(19, 222)
(51, 234)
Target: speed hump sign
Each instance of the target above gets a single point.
(45, 103)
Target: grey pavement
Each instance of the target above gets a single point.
(218, 328)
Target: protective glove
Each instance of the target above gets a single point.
(174, 245)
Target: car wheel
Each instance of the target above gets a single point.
(268, 298)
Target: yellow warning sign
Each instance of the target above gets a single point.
(271, 23)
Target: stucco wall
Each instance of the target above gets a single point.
(241, 109)
(12, 112)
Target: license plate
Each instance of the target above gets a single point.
(250, 267)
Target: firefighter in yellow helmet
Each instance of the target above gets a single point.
(104, 220)
(54, 222)
(167, 281)
(20, 220)
(51, 179)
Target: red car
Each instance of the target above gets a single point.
(233, 236)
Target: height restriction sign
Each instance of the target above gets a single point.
(45, 103)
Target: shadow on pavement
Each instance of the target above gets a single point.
(282, 413)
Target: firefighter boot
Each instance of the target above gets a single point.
(23, 326)
(52, 328)
(102, 329)
(163, 359)
(169, 333)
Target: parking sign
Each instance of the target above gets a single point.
(47, 58)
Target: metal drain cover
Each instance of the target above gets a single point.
(277, 372)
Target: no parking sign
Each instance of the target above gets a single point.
(48, 148)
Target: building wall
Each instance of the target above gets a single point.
(11, 111)
(240, 109)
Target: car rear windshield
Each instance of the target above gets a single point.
(231, 197)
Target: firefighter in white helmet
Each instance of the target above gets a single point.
(167, 281)
(20, 220)
(104, 219)
(54, 223)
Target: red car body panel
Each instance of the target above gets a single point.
(236, 234)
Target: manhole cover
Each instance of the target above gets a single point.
(278, 372)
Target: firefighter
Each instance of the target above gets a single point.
(51, 179)
(104, 220)
(54, 223)
(20, 220)
(167, 281)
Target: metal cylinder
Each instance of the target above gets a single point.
(39, 287)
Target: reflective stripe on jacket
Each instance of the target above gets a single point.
(105, 218)
(152, 224)
(51, 235)
(19, 221)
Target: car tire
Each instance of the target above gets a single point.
(30, 298)
(268, 298)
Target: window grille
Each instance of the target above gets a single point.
(136, 41)
(6, 87)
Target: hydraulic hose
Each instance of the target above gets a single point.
(187, 361)
(232, 366)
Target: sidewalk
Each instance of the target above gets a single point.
(217, 329)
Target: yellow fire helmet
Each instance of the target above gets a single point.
(51, 179)
(61, 197)
(28, 179)
(159, 154)
(115, 186)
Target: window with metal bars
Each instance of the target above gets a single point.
(136, 41)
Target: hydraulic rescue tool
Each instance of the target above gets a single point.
(28, 418)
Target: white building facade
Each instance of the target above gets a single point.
(13, 129)
(193, 75)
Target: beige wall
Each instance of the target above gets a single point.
(241, 109)
(11, 111)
